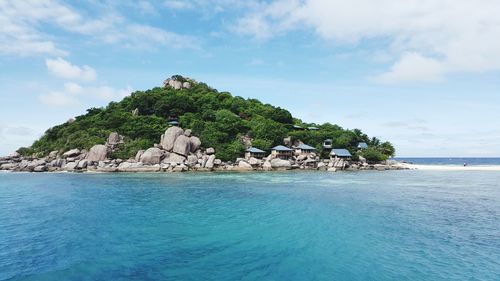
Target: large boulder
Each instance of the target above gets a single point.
(254, 161)
(97, 153)
(210, 162)
(242, 165)
(267, 166)
(280, 164)
(70, 166)
(182, 145)
(194, 143)
(210, 150)
(174, 158)
(72, 153)
(138, 155)
(192, 160)
(114, 139)
(152, 156)
(170, 136)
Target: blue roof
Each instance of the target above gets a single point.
(340, 152)
(306, 147)
(281, 148)
(173, 122)
(254, 150)
(362, 145)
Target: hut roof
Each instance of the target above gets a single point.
(254, 150)
(340, 152)
(306, 147)
(281, 148)
(362, 145)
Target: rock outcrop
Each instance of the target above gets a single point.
(97, 153)
(152, 156)
(168, 139)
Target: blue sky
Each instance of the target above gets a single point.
(424, 75)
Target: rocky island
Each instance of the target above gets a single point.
(144, 133)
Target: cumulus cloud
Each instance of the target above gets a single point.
(21, 25)
(65, 69)
(426, 39)
(74, 94)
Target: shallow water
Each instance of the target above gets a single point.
(393, 225)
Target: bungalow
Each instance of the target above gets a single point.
(297, 128)
(340, 153)
(282, 152)
(174, 123)
(254, 152)
(362, 145)
(304, 149)
(312, 128)
(327, 144)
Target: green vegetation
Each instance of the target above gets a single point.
(218, 118)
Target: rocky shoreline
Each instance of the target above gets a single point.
(178, 151)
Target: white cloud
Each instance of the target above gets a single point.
(438, 36)
(59, 99)
(21, 25)
(413, 67)
(74, 94)
(178, 4)
(65, 69)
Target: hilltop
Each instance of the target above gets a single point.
(227, 123)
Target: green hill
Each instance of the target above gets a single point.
(220, 120)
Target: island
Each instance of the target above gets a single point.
(185, 125)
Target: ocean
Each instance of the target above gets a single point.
(369, 225)
(474, 161)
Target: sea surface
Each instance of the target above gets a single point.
(452, 161)
(391, 225)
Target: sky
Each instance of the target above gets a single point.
(423, 74)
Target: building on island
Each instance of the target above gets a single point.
(254, 152)
(340, 153)
(298, 128)
(174, 123)
(362, 145)
(304, 149)
(282, 152)
(312, 128)
(327, 144)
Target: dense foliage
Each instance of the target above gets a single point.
(218, 118)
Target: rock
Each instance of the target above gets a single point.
(244, 165)
(204, 160)
(186, 85)
(14, 155)
(217, 162)
(182, 145)
(321, 165)
(135, 112)
(174, 158)
(115, 139)
(254, 161)
(280, 164)
(41, 168)
(35, 163)
(332, 169)
(152, 156)
(170, 136)
(194, 143)
(180, 168)
(53, 154)
(8, 166)
(138, 167)
(70, 166)
(210, 162)
(58, 163)
(267, 166)
(187, 132)
(192, 160)
(82, 164)
(138, 155)
(72, 153)
(97, 153)
(362, 159)
(210, 150)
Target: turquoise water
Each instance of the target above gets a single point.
(394, 225)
